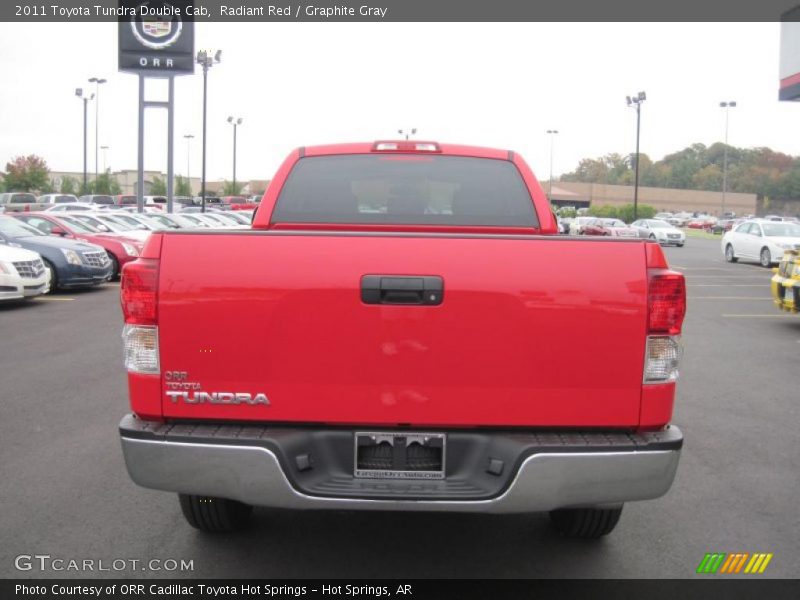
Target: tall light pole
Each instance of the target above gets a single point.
(104, 148)
(726, 106)
(206, 60)
(407, 133)
(79, 94)
(97, 83)
(637, 102)
(188, 137)
(235, 123)
(551, 133)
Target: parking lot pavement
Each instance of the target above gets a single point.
(66, 493)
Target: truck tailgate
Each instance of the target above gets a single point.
(531, 331)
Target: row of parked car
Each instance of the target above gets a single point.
(27, 202)
(653, 229)
(45, 251)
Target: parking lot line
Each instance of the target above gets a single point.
(727, 285)
(775, 316)
(51, 299)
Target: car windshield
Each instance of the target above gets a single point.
(14, 228)
(97, 224)
(781, 229)
(129, 221)
(162, 221)
(613, 223)
(114, 224)
(405, 189)
(655, 224)
(78, 225)
(102, 200)
(64, 199)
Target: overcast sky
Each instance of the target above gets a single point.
(500, 85)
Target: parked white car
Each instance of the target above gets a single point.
(106, 223)
(71, 206)
(57, 199)
(660, 231)
(22, 274)
(760, 240)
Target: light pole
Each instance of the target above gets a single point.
(188, 137)
(637, 102)
(97, 83)
(551, 133)
(406, 132)
(79, 94)
(104, 148)
(206, 60)
(235, 123)
(726, 106)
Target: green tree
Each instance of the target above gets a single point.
(644, 211)
(228, 189)
(158, 187)
(69, 185)
(182, 186)
(105, 184)
(27, 174)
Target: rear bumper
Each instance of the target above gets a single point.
(542, 471)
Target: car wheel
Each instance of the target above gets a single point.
(114, 265)
(729, 255)
(52, 276)
(679, 245)
(214, 515)
(585, 523)
(766, 257)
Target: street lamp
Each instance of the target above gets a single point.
(406, 132)
(726, 106)
(104, 148)
(637, 102)
(188, 137)
(551, 133)
(235, 123)
(97, 83)
(79, 94)
(205, 59)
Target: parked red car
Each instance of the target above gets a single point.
(614, 227)
(701, 223)
(120, 249)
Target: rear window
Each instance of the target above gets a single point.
(22, 199)
(127, 200)
(102, 199)
(407, 189)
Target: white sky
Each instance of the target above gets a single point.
(500, 85)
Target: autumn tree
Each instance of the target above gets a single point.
(27, 174)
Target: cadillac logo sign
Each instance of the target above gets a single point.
(156, 37)
(157, 34)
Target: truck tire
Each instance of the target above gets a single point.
(214, 515)
(585, 523)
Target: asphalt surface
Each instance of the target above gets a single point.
(65, 493)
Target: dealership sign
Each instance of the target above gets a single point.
(155, 37)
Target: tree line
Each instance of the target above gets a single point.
(759, 171)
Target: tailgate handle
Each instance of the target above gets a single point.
(410, 290)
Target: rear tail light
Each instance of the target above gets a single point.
(141, 348)
(138, 292)
(666, 308)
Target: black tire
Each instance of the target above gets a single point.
(53, 276)
(679, 245)
(585, 523)
(729, 255)
(114, 265)
(214, 515)
(765, 258)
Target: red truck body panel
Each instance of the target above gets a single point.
(519, 340)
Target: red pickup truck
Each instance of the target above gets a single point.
(402, 329)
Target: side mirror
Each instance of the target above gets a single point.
(59, 231)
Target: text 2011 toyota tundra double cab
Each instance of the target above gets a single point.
(402, 329)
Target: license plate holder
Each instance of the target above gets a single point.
(399, 455)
